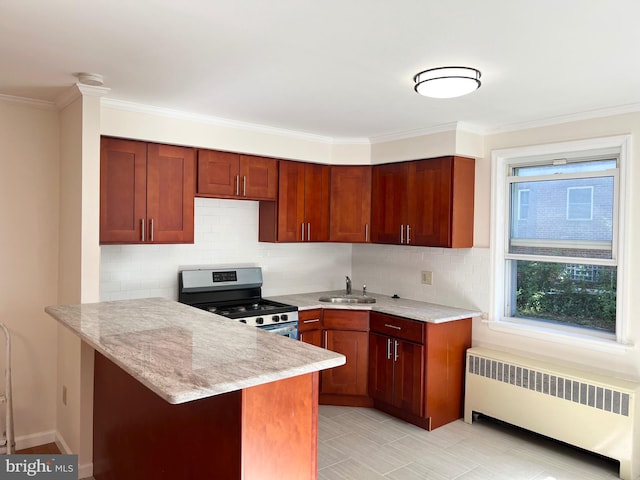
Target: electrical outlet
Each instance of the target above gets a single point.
(64, 394)
(427, 277)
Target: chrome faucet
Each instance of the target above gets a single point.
(348, 285)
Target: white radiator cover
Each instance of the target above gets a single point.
(593, 412)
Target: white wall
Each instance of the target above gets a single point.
(226, 233)
(29, 216)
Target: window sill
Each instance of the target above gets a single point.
(570, 338)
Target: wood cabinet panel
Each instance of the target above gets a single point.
(218, 173)
(309, 320)
(146, 192)
(398, 327)
(350, 204)
(231, 175)
(351, 378)
(408, 379)
(381, 368)
(389, 203)
(259, 177)
(123, 196)
(424, 202)
(346, 319)
(301, 213)
(170, 192)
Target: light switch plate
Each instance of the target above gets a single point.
(427, 277)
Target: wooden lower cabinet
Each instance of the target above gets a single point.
(310, 327)
(416, 369)
(396, 372)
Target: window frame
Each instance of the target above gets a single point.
(502, 160)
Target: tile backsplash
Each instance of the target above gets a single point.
(226, 233)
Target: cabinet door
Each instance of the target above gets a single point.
(312, 337)
(290, 207)
(408, 378)
(351, 378)
(350, 211)
(170, 193)
(316, 202)
(123, 190)
(218, 173)
(381, 368)
(258, 177)
(441, 194)
(389, 203)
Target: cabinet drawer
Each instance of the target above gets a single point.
(346, 320)
(398, 327)
(309, 320)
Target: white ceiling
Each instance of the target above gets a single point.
(335, 68)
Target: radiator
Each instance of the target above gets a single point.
(593, 412)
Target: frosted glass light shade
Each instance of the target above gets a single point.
(447, 82)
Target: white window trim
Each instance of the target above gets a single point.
(590, 204)
(500, 160)
(520, 203)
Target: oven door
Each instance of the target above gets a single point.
(289, 329)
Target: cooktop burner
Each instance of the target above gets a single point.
(235, 311)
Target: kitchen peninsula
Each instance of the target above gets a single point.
(181, 393)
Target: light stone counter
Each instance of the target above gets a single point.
(413, 309)
(182, 353)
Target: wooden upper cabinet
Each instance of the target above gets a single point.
(424, 202)
(301, 213)
(146, 192)
(350, 204)
(259, 177)
(389, 203)
(231, 175)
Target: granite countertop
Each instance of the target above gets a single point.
(182, 353)
(413, 309)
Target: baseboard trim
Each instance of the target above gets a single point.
(85, 470)
(35, 439)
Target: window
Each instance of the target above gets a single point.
(556, 255)
(523, 203)
(580, 203)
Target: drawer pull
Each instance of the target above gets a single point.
(393, 326)
(311, 321)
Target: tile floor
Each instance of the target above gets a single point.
(365, 444)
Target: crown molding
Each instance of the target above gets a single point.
(217, 121)
(574, 117)
(77, 91)
(32, 102)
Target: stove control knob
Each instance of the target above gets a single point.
(275, 318)
(284, 317)
(242, 320)
(259, 320)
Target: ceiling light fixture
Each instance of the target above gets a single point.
(92, 79)
(447, 82)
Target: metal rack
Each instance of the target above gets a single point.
(8, 442)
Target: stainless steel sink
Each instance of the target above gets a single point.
(348, 299)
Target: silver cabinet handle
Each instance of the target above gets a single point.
(309, 232)
(395, 350)
(244, 185)
(311, 321)
(401, 233)
(151, 232)
(366, 232)
(388, 349)
(408, 234)
(302, 230)
(142, 221)
(393, 326)
(237, 184)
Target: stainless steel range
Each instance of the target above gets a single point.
(236, 293)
